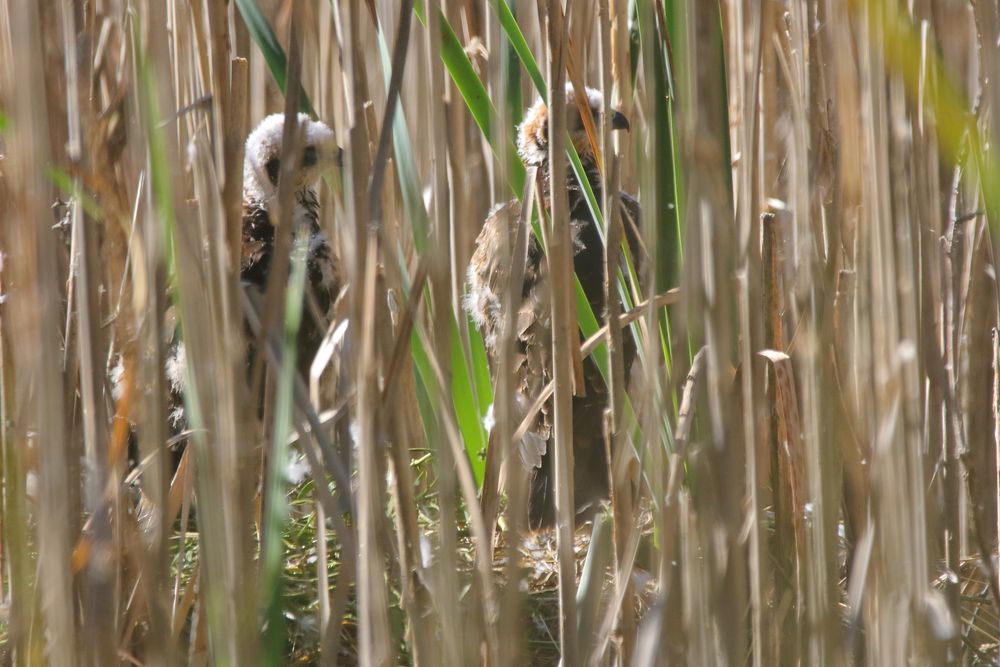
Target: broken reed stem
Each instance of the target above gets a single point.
(685, 416)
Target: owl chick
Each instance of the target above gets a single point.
(261, 171)
(488, 276)
(261, 168)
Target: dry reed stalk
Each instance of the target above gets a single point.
(781, 540)
(622, 487)
(39, 393)
(503, 469)
(996, 401)
(850, 357)
(225, 476)
(497, 475)
(100, 629)
(504, 443)
(236, 128)
(557, 248)
(374, 636)
(750, 100)
(811, 259)
(398, 378)
(886, 314)
(673, 640)
(460, 652)
(711, 243)
(791, 463)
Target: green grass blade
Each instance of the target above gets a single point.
(516, 39)
(263, 35)
(472, 395)
(634, 44)
(666, 172)
(464, 76)
(276, 510)
(426, 382)
(470, 410)
(406, 167)
(480, 370)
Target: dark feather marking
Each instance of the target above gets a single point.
(255, 262)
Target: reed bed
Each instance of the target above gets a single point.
(802, 461)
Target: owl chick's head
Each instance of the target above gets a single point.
(262, 162)
(533, 132)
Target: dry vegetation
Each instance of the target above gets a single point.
(804, 457)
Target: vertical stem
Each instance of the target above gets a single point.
(619, 449)
(35, 318)
(563, 330)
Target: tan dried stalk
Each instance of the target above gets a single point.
(560, 269)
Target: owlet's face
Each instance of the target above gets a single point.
(262, 163)
(533, 133)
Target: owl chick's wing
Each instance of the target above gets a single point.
(489, 276)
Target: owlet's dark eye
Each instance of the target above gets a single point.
(273, 168)
(309, 156)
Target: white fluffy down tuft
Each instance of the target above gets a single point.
(264, 144)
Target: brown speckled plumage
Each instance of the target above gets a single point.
(260, 176)
(487, 279)
(322, 267)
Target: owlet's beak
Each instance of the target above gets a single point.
(619, 121)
